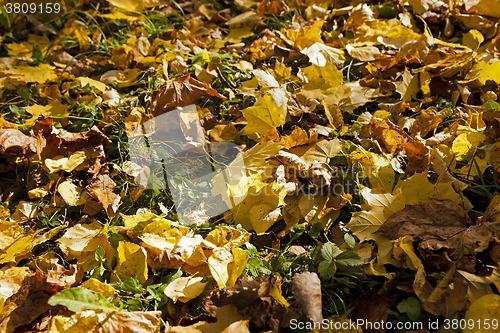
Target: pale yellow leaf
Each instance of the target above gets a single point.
(185, 288)
(68, 164)
(73, 195)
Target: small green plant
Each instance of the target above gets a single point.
(333, 257)
(103, 269)
(135, 297)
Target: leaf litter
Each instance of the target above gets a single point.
(334, 156)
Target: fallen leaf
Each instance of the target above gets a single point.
(180, 92)
(438, 228)
(306, 288)
(131, 263)
(263, 117)
(228, 320)
(81, 299)
(73, 195)
(13, 141)
(185, 288)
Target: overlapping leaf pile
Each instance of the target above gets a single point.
(369, 135)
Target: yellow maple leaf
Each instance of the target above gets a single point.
(26, 73)
(320, 55)
(308, 36)
(262, 117)
(483, 310)
(102, 87)
(466, 142)
(409, 87)
(324, 77)
(51, 109)
(270, 194)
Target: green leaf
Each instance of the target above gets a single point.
(81, 299)
(490, 104)
(131, 285)
(327, 269)
(315, 230)
(329, 251)
(349, 239)
(349, 258)
(410, 306)
(100, 253)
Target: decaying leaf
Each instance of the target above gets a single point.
(180, 92)
(13, 141)
(439, 228)
(306, 287)
(254, 296)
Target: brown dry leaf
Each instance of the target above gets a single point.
(109, 200)
(118, 321)
(447, 298)
(428, 121)
(299, 137)
(11, 280)
(29, 303)
(63, 278)
(495, 157)
(100, 196)
(180, 92)
(492, 214)
(440, 229)
(306, 288)
(272, 7)
(229, 320)
(223, 133)
(14, 142)
(418, 157)
(252, 296)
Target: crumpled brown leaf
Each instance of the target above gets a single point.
(251, 296)
(229, 320)
(443, 299)
(59, 142)
(306, 288)
(492, 214)
(180, 92)
(27, 304)
(13, 141)
(440, 229)
(63, 277)
(100, 196)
